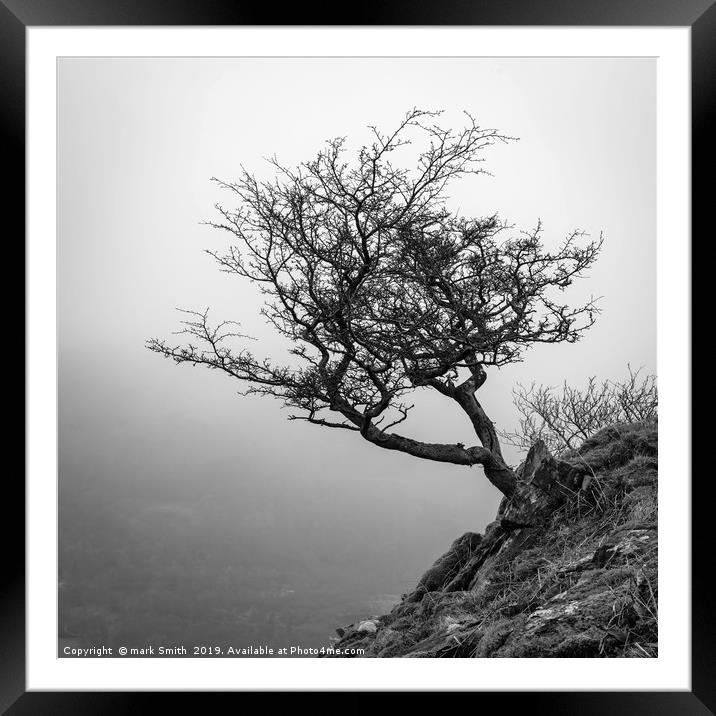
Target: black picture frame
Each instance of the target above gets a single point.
(699, 15)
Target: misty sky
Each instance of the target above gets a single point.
(138, 141)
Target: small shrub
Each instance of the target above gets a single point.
(564, 418)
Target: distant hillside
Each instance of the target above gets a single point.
(580, 582)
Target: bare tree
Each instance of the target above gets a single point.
(564, 418)
(381, 290)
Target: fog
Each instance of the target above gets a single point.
(190, 514)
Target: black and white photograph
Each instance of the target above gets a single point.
(357, 357)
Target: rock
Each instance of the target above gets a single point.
(367, 626)
(447, 567)
(544, 484)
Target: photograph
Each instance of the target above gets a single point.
(425, 291)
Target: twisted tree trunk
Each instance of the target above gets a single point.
(530, 490)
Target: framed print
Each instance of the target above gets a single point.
(437, 263)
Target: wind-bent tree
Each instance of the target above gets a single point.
(381, 290)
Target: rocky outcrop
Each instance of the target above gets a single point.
(447, 568)
(568, 568)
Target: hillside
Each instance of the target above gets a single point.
(580, 581)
